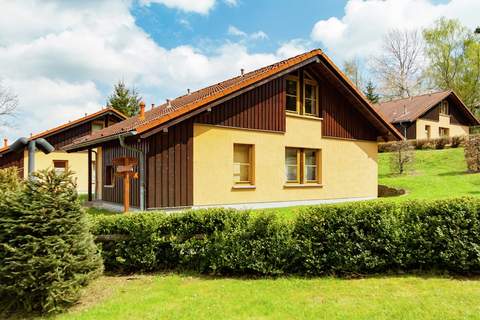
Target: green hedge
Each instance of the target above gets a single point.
(357, 238)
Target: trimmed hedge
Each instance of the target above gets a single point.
(349, 239)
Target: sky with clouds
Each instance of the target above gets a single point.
(62, 57)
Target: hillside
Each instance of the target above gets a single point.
(436, 174)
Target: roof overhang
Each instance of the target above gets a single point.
(74, 147)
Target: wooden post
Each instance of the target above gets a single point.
(126, 193)
(89, 174)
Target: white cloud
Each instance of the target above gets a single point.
(258, 35)
(231, 3)
(293, 47)
(360, 30)
(66, 61)
(196, 6)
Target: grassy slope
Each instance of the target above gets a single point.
(436, 174)
(184, 297)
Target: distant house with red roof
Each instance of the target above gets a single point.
(429, 116)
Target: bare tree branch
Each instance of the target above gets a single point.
(8, 103)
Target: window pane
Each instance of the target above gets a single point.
(292, 173)
(291, 87)
(309, 91)
(308, 106)
(311, 173)
(291, 103)
(310, 157)
(291, 156)
(241, 153)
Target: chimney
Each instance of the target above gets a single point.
(168, 103)
(5, 142)
(404, 109)
(142, 110)
(188, 91)
(242, 71)
(153, 105)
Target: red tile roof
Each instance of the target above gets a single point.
(72, 124)
(410, 109)
(189, 102)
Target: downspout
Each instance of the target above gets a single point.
(141, 168)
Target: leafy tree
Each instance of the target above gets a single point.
(125, 100)
(370, 93)
(47, 252)
(454, 54)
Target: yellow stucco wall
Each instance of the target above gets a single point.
(77, 162)
(349, 168)
(444, 122)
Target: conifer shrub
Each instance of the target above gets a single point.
(9, 180)
(46, 250)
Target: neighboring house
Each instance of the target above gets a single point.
(295, 132)
(59, 137)
(429, 116)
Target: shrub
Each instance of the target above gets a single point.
(456, 141)
(385, 147)
(402, 157)
(472, 153)
(441, 142)
(422, 144)
(347, 239)
(46, 249)
(9, 180)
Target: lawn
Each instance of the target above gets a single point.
(435, 174)
(192, 297)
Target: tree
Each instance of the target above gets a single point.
(351, 68)
(398, 69)
(125, 100)
(8, 103)
(454, 60)
(370, 93)
(401, 157)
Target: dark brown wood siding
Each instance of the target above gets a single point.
(411, 129)
(12, 159)
(113, 150)
(66, 137)
(341, 119)
(261, 108)
(170, 167)
(456, 115)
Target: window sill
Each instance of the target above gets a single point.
(244, 187)
(302, 185)
(303, 116)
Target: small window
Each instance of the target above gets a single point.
(292, 164)
(109, 175)
(292, 97)
(97, 125)
(443, 132)
(243, 164)
(60, 166)
(444, 107)
(428, 131)
(310, 99)
(302, 165)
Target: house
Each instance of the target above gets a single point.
(429, 116)
(59, 137)
(294, 132)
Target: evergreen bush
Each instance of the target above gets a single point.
(46, 250)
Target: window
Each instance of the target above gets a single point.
(97, 125)
(302, 165)
(443, 132)
(60, 166)
(310, 94)
(292, 93)
(243, 164)
(428, 131)
(109, 175)
(444, 107)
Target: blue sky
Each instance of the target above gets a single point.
(62, 58)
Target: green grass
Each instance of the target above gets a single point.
(191, 297)
(435, 174)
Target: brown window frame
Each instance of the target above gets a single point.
(109, 175)
(428, 131)
(296, 79)
(64, 162)
(302, 81)
(447, 130)
(314, 84)
(301, 166)
(251, 165)
(102, 123)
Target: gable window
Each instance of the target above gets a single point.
(60, 166)
(109, 175)
(243, 164)
(444, 107)
(302, 165)
(310, 97)
(292, 94)
(97, 125)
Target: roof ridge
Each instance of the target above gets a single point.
(412, 97)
